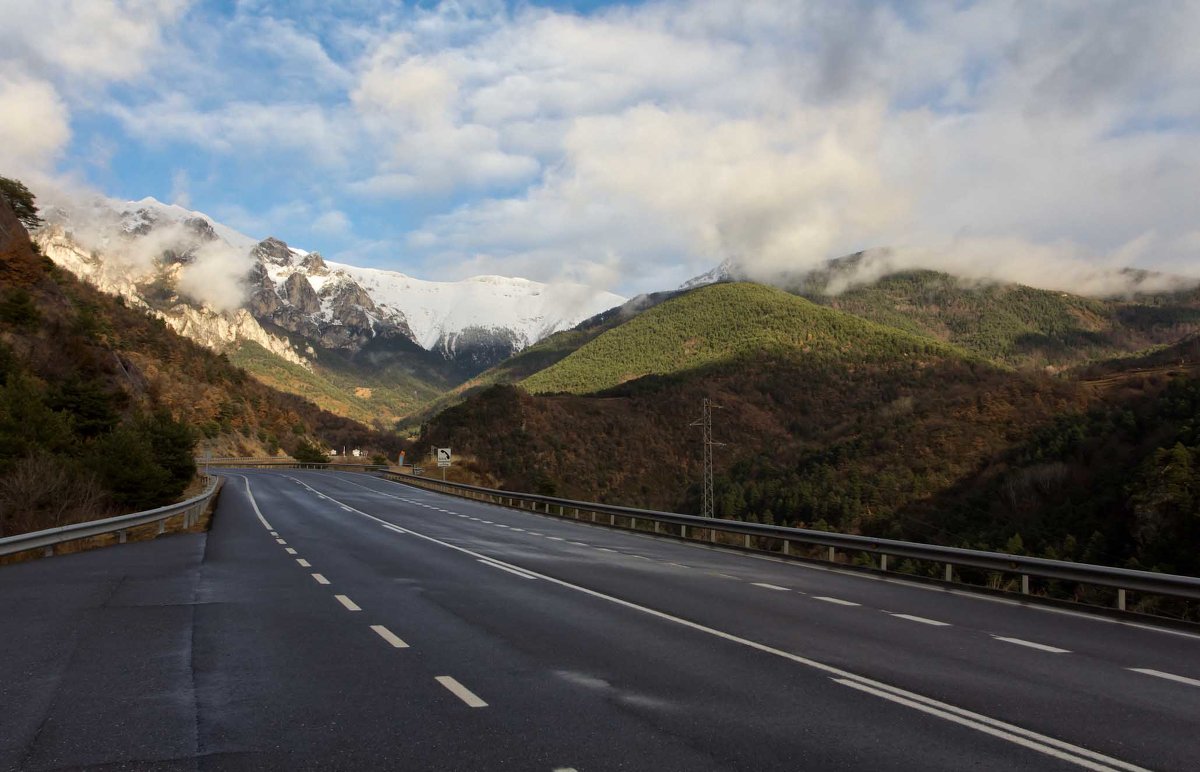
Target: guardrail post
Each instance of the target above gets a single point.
(612, 519)
(683, 531)
(633, 523)
(746, 541)
(656, 528)
(1121, 599)
(883, 560)
(949, 572)
(48, 551)
(162, 526)
(121, 536)
(787, 545)
(832, 555)
(1024, 584)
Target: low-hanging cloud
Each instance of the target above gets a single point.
(216, 277)
(142, 247)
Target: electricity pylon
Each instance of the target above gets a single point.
(705, 422)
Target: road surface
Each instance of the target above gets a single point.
(339, 621)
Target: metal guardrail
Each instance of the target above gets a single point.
(781, 540)
(191, 509)
(228, 463)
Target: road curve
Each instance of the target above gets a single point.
(336, 620)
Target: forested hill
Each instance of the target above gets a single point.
(829, 420)
(724, 322)
(1012, 324)
(102, 407)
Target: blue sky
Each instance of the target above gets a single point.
(631, 145)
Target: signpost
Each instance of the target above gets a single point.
(443, 460)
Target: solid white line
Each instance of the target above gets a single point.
(521, 574)
(303, 563)
(349, 604)
(389, 636)
(320, 578)
(289, 550)
(838, 601)
(1168, 676)
(922, 620)
(460, 691)
(254, 503)
(766, 586)
(1032, 645)
(1012, 738)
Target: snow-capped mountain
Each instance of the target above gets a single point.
(219, 286)
(728, 270)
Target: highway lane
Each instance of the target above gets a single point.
(1030, 665)
(592, 649)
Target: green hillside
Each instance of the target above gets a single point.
(1013, 324)
(373, 398)
(719, 323)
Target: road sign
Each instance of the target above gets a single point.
(443, 456)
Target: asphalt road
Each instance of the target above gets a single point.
(339, 621)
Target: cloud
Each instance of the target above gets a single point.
(216, 277)
(56, 55)
(88, 41)
(36, 125)
(639, 144)
(993, 139)
(332, 222)
(181, 188)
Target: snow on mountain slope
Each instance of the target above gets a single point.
(143, 249)
(437, 310)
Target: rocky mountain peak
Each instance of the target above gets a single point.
(272, 250)
(314, 264)
(298, 291)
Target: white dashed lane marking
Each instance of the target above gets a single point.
(1032, 645)
(389, 636)
(1167, 676)
(922, 620)
(838, 601)
(461, 692)
(766, 586)
(303, 563)
(349, 604)
(289, 550)
(320, 578)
